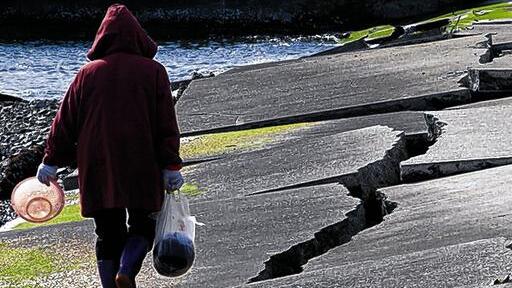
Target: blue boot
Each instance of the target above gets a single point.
(107, 270)
(134, 252)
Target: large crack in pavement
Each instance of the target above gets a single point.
(370, 212)
(365, 185)
(291, 261)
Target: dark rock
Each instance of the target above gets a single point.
(504, 280)
(23, 129)
(4, 97)
(70, 182)
(18, 167)
(197, 75)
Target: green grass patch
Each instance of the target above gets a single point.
(70, 213)
(370, 33)
(459, 20)
(221, 143)
(21, 264)
(463, 19)
(191, 190)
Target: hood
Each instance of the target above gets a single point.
(121, 32)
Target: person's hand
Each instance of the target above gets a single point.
(172, 179)
(46, 173)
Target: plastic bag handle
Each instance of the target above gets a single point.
(176, 194)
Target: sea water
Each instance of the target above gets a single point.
(38, 70)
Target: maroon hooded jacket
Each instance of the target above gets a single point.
(117, 120)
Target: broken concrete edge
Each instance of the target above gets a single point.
(412, 173)
(489, 79)
(179, 87)
(426, 102)
(370, 212)
(493, 50)
(434, 126)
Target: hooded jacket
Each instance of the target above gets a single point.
(117, 120)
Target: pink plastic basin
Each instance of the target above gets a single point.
(36, 202)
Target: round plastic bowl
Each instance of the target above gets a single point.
(36, 202)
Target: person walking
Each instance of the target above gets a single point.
(117, 121)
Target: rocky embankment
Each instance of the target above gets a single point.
(23, 130)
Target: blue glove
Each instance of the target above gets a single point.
(45, 173)
(172, 180)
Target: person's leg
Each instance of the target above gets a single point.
(111, 234)
(141, 233)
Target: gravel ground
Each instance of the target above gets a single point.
(69, 243)
(6, 212)
(73, 242)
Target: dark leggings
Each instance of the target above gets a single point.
(112, 230)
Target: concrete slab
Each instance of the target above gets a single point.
(341, 85)
(242, 233)
(472, 264)
(297, 161)
(444, 233)
(239, 236)
(472, 139)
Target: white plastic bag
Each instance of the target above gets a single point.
(174, 251)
